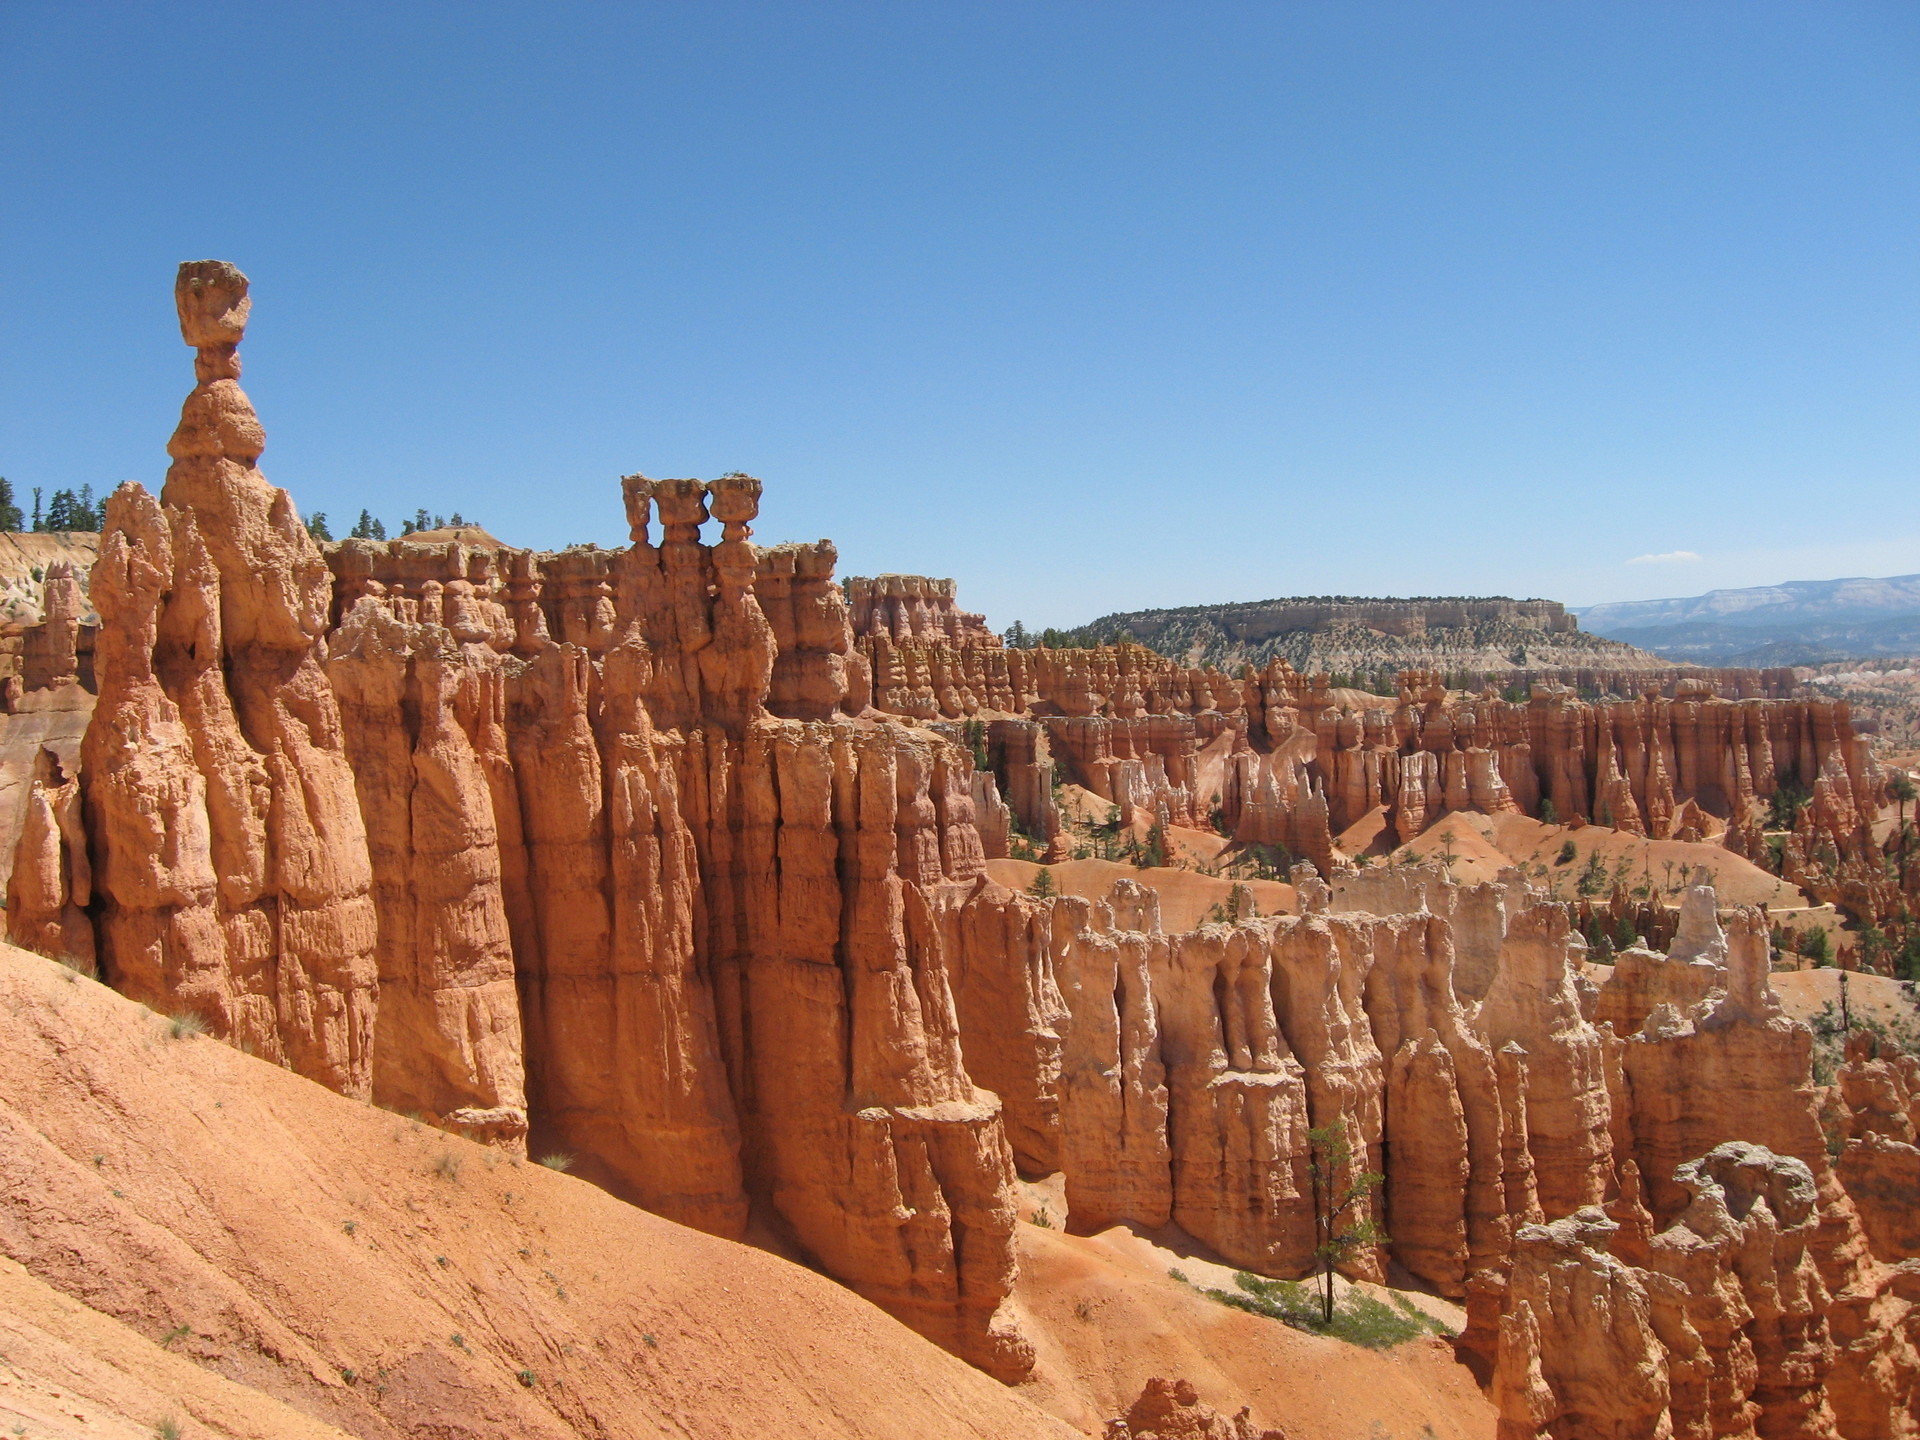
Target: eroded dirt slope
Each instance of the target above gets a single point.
(382, 1277)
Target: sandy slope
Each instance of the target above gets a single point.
(1104, 1316)
(1894, 1004)
(70, 1373)
(382, 1277)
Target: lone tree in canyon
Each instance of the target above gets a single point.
(1337, 1189)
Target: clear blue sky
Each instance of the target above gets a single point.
(1092, 306)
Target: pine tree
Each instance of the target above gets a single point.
(38, 522)
(10, 516)
(1336, 1191)
(317, 526)
(368, 528)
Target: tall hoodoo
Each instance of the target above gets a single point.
(234, 871)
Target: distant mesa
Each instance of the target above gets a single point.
(1345, 634)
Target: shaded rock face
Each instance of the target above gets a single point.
(51, 882)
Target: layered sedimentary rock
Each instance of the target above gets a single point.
(423, 713)
(1879, 1163)
(623, 853)
(1281, 758)
(233, 874)
(1715, 1326)
(913, 608)
(1533, 1003)
(1182, 1072)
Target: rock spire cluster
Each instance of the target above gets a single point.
(636, 854)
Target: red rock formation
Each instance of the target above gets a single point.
(913, 608)
(234, 875)
(58, 650)
(1173, 1410)
(1720, 1327)
(413, 702)
(52, 879)
(1532, 1003)
(643, 813)
(1879, 1163)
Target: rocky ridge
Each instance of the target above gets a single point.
(1345, 634)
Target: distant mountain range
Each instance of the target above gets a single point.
(1803, 622)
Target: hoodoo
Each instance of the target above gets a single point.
(686, 861)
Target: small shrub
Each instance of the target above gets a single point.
(447, 1165)
(349, 1375)
(652, 1343)
(459, 1341)
(166, 1428)
(441, 1261)
(1043, 1220)
(1784, 806)
(1567, 854)
(525, 1377)
(558, 1160)
(178, 1332)
(187, 1022)
(350, 1226)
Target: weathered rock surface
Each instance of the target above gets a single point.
(233, 875)
(1717, 1325)
(600, 890)
(1173, 1410)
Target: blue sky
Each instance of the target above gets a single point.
(1092, 306)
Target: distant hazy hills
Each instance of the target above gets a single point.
(1803, 622)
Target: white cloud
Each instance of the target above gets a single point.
(1670, 557)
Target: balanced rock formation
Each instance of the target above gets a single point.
(233, 875)
(623, 879)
